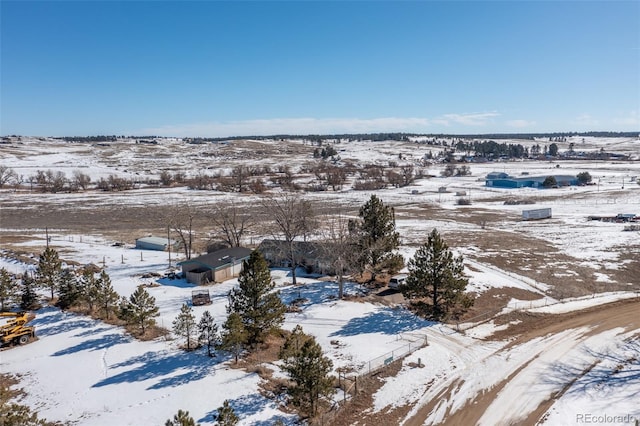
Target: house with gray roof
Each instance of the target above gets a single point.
(215, 267)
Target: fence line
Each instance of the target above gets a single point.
(524, 305)
(377, 363)
(350, 385)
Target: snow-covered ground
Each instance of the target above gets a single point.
(89, 373)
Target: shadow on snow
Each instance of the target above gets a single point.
(245, 406)
(158, 365)
(317, 292)
(386, 321)
(613, 370)
(176, 282)
(103, 342)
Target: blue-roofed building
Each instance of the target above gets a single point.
(503, 180)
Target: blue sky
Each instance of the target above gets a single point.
(211, 68)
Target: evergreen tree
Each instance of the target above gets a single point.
(550, 182)
(434, 273)
(182, 418)
(234, 336)
(208, 332)
(106, 296)
(14, 414)
(9, 289)
(584, 177)
(261, 309)
(140, 309)
(88, 287)
(49, 269)
(69, 293)
(226, 415)
(309, 369)
(28, 297)
(377, 237)
(293, 343)
(185, 324)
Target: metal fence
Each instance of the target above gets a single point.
(384, 360)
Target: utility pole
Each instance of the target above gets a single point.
(169, 245)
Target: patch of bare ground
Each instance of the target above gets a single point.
(621, 314)
(12, 413)
(494, 299)
(530, 257)
(629, 270)
(527, 325)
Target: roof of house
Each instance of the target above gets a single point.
(498, 175)
(220, 258)
(317, 249)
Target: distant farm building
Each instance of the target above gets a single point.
(218, 266)
(619, 218)
(536, 214)
(155, 243)
(503, 180)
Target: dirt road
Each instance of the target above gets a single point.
(550, 338)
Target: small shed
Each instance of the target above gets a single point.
(155, 243)
(536, 214)
(218, 266)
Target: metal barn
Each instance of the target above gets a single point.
(536, 214)
(155, 243)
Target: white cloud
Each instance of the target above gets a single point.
(519, 124)
(632, 119)
(585, 120)
(473, 119)
(304, 126)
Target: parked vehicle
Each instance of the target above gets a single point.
(15, 331)
(397, 280)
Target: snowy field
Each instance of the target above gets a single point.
(89, 373)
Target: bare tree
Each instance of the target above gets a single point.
(166, 178)
(394, 178)
(407, 173)
(336, 177)
(240, 175)
(181, 223)
(339, 249)
(231, 223)
(293, 219)
(6, 174)
(56, 181)
(81, 180)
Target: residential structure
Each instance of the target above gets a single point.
(315, 256)
(215, 267)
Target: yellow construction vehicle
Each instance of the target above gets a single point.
(15, 331)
